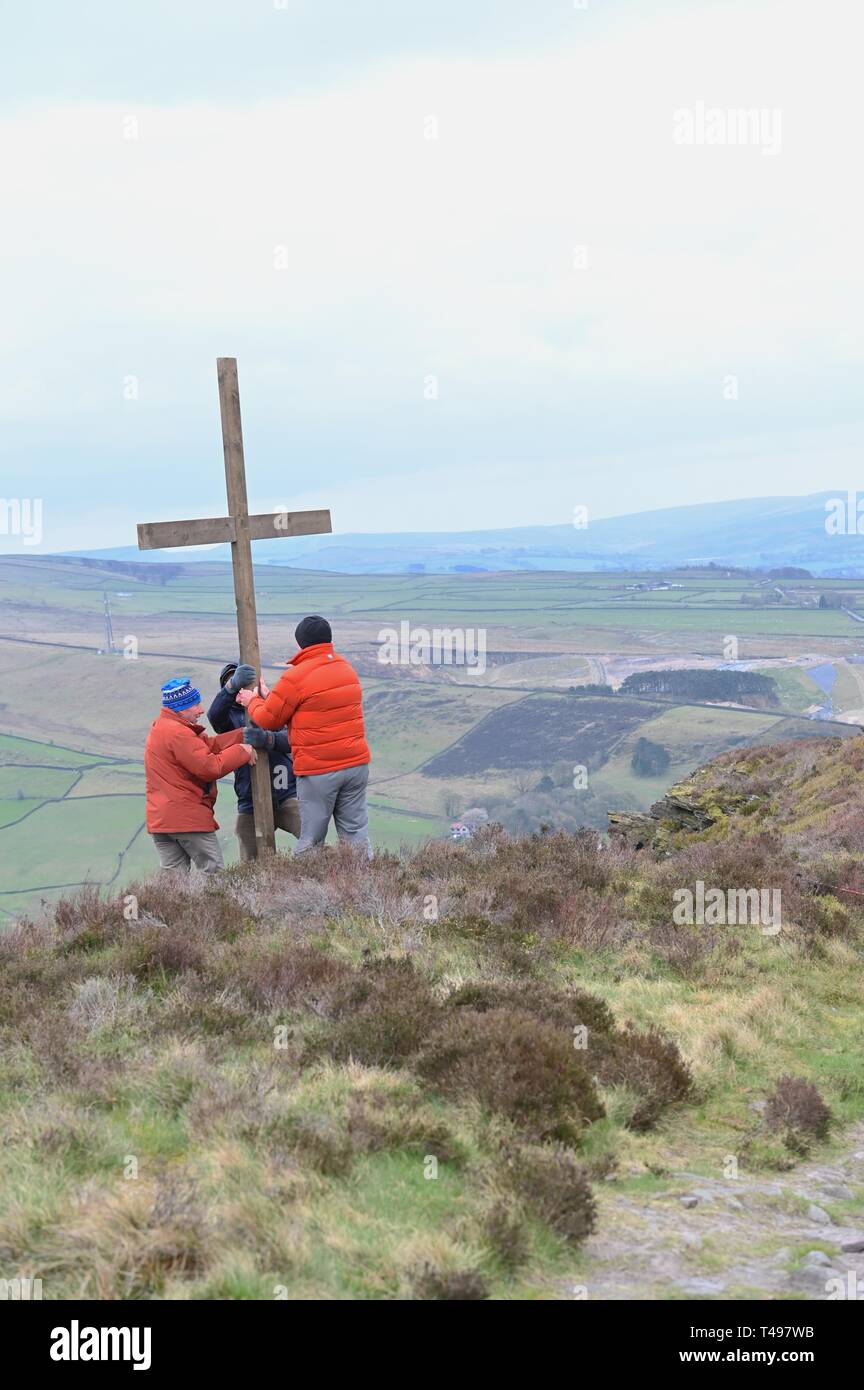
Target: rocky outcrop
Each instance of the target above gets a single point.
(690, 808)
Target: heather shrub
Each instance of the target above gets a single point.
(54, 1045)
(796, 1110)
(380, 1016)
(505, 1232)
(87, 920)
(513, 1064)
(756, 861)
(281, 972)
(685, 949)
(591, 921)
(563, 1009)
(552, 1182)
(556, 857)
(648, 1064)
(449, 1285)
(155, 950)
(32, 978)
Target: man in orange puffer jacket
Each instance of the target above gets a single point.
(181, 767)
(320, 699)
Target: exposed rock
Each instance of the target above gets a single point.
(689, 1201)
(813, 1279)
(634, 830)
(819, 1215)
(700, 1286)
(648, 1248)
(838, 1191)
(689, 808)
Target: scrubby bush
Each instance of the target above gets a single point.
(684, 949)
(515, 1065)
(155, 950)
(555, 1185)
(282, 972)
(648, 1064)
(505, 1231)
(563, 1009)
(796, 1110)
(462, 1285)
(381, 1015)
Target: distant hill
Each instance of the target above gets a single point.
(764, 533)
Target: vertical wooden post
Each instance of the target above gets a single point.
(244, 583)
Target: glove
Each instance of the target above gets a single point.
(244, 675)
(258, 738)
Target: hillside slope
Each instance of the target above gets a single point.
(483, 1071)
(808, 793)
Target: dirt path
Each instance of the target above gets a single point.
(706, 1238)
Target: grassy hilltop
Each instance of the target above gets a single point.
(322, 1079)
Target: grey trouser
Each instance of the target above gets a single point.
(341, 795)
(198, 847)
(286, 816)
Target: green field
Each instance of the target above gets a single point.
(796, 689)
(70, 828)
(540, 604)
(443, 740)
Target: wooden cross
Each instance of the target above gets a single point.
(240, 529)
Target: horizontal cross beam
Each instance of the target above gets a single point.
(211, 530)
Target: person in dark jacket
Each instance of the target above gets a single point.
(225, 715)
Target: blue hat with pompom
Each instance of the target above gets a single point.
(180, 694)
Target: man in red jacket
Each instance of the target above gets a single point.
(320, 699)
(181, 766)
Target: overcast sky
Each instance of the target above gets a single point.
(471, 273)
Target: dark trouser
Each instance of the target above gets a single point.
(286, 816)
(181, 851)
(341, 795)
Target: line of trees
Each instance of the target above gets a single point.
(744, 687)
